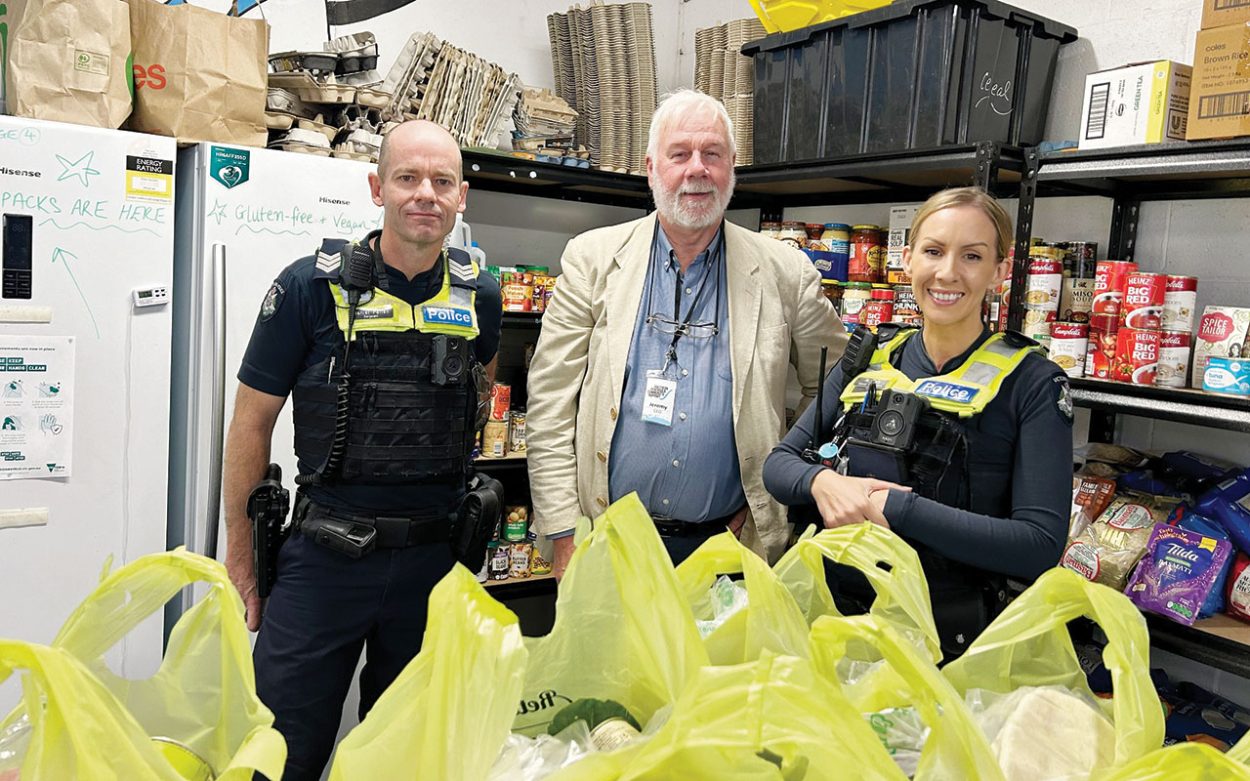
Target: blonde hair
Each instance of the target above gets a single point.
(969, 196)
(680, 103)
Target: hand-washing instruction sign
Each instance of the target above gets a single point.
(36, 406)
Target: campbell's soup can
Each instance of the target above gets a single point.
(1068, 345)
(1103, 330)
(1041, 295)
(1136, 356)
(1174, 350)
(1142, 306)
(1109, 279)
(1180, 296)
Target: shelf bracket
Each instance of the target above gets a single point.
(1122, 243)
(989, 156)
(1024, 232)
(771, 213)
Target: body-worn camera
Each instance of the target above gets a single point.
(449, 360)
(897, 419)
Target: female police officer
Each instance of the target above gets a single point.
(958, 439)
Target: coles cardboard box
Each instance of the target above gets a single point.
(1219, 98)
(1220, 13)
(1140, 103)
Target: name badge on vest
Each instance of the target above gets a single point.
(376, 313)
(446, 315)
(659, 398)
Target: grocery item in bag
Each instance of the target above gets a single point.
(1040, 733)
(1178, 573)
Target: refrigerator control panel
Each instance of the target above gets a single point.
(150, 296)
(16, 278)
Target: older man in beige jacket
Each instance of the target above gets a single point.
(664, 354)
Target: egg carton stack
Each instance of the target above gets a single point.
(470, 96)
(603, 64)
(328, 102)
(724, 73)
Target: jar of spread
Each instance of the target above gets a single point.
(837, 237)
(770, 230)
(814, 232)
(793, 233)
(854, 298)
(867, 254)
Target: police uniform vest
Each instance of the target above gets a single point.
(397, 400)
(942, 464)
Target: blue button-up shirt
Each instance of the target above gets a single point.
(689, 470)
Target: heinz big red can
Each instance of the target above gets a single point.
(1136, 356)
(1142, 306)
(1109, 280)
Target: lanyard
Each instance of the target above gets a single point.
(670, 356)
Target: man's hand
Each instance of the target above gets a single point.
(738, 521)
(563, 552)
(243, 576)
(846, 500)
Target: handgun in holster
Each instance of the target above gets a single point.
(267, 507)
(477, 521)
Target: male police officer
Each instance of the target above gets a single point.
(379, 344)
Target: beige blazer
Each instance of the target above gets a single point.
(777, 317)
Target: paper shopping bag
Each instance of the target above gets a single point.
(66, 60)
(199, 75)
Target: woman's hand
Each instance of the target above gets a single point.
(846, 500)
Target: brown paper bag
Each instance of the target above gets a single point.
(66, 60)
(199, 75)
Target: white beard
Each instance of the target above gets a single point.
(672, 209)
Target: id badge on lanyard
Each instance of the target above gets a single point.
(659, 397)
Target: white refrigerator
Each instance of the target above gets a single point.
(243, 215)
(85, 330)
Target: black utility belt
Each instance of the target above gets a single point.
(355, 535)
(670, 527)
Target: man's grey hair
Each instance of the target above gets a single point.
(681, 103)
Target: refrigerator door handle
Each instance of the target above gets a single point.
(218, 401)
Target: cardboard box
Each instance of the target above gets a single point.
(1140, 103)
(1219, 100)
(1221, 13)
(900, 234)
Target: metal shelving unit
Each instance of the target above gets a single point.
(504, 173)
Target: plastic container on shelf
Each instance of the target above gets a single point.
(915, 74)
(786, 15)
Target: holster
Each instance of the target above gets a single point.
(477, 521)
(267, 507)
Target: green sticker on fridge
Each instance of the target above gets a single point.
(229, 166)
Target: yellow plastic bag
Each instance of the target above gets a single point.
(771, 619)
(889, 564)
(448, 712)
(71, 726)
(623, 630)
(956, 748)
(1182, 762)
(204, 694)
(1029, 645)
(774, 718)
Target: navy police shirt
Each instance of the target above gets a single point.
(296, 328)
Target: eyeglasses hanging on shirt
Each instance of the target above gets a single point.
(676, 327)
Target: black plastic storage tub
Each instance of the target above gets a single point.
(915, 74)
